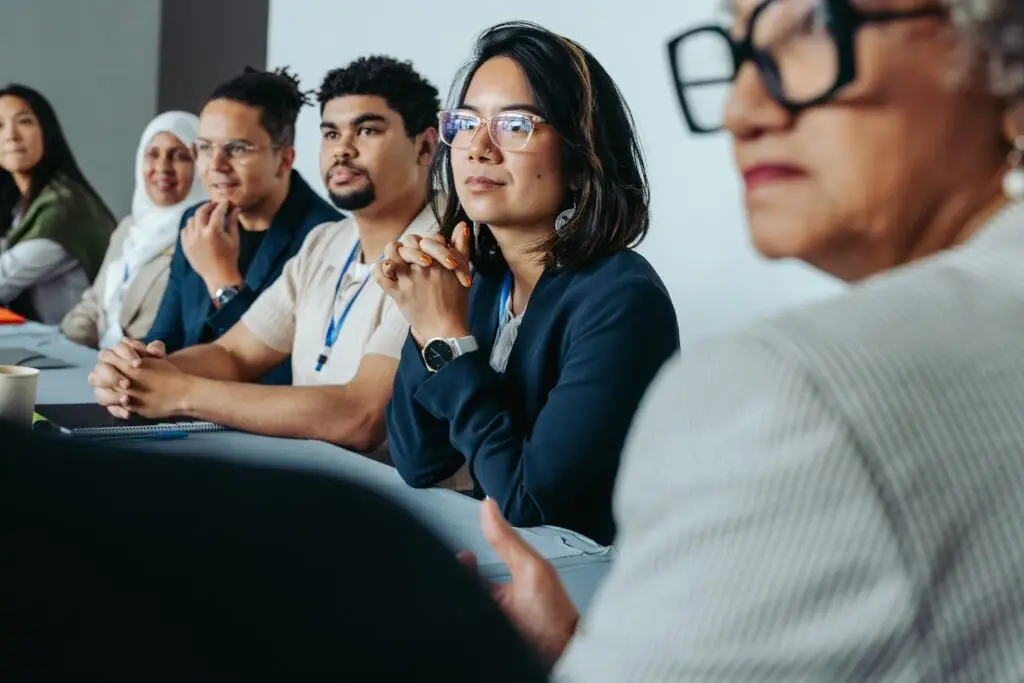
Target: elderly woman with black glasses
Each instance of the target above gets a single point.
(835, 494)
(530, 379)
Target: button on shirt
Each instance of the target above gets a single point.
(293, 315)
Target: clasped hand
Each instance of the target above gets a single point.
(135, 378)
(429, 279)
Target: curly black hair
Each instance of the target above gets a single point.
(276, 93)
(405, 91)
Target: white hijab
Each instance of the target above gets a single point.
(154, 228)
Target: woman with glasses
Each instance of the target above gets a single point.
(124, 299)
(847, 163)
(54, 228)
(835, 494)
(531, 375)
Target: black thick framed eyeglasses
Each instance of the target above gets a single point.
(803, 50)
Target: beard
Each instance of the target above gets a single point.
(355, 199)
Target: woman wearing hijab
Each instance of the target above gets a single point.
(126, 295)
(54, 228)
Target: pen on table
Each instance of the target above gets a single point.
(152, 436)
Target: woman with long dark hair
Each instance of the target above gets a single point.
(531, 376)
(54, 228)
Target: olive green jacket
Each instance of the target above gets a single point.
(66, 213)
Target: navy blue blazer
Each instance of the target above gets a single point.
(187, 315)
(544, 439)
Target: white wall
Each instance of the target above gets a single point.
(97, 63)
(698, 240)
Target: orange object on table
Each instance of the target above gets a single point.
(10, 317)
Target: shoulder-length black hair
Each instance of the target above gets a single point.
(600, 151)
(57, 158)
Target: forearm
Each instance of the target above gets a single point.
(323, 413)
(28, 263)
(210, 361)
(80, 324)
(475, 409)
(419, 443)
(419, 447)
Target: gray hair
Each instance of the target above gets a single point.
(995, 30)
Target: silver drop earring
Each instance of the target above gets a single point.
(1013, 179)
(564, 217)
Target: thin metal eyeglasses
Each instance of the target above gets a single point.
(804, 51)
(510, 131)
(238, 151)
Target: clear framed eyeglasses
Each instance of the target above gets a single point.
(237, 151)
(511, 131)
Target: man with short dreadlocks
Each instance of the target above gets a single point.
(234, 247)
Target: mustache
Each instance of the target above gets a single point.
(348, 167)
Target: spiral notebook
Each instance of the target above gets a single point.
(84, 420)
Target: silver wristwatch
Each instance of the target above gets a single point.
(441, 351)
(223, 296)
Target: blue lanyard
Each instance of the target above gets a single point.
(334, 329)
(506, 292)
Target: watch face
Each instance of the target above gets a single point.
(225, 296)
(437, 354)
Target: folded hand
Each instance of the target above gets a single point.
(429, 281)
(110, 384)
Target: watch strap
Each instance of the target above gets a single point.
(459, 346)
(463, 345)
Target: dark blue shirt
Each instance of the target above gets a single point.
(187, 315)
(544, 438)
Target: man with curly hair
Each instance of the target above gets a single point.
(325, 311)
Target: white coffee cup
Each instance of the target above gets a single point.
(18, 394)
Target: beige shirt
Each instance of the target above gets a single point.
(293, 315)
(86, 323)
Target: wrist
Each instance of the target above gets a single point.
(225, 295)
(187, 402)
(222, 281)
(440, 351)
(551, 652)
(445, 331)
